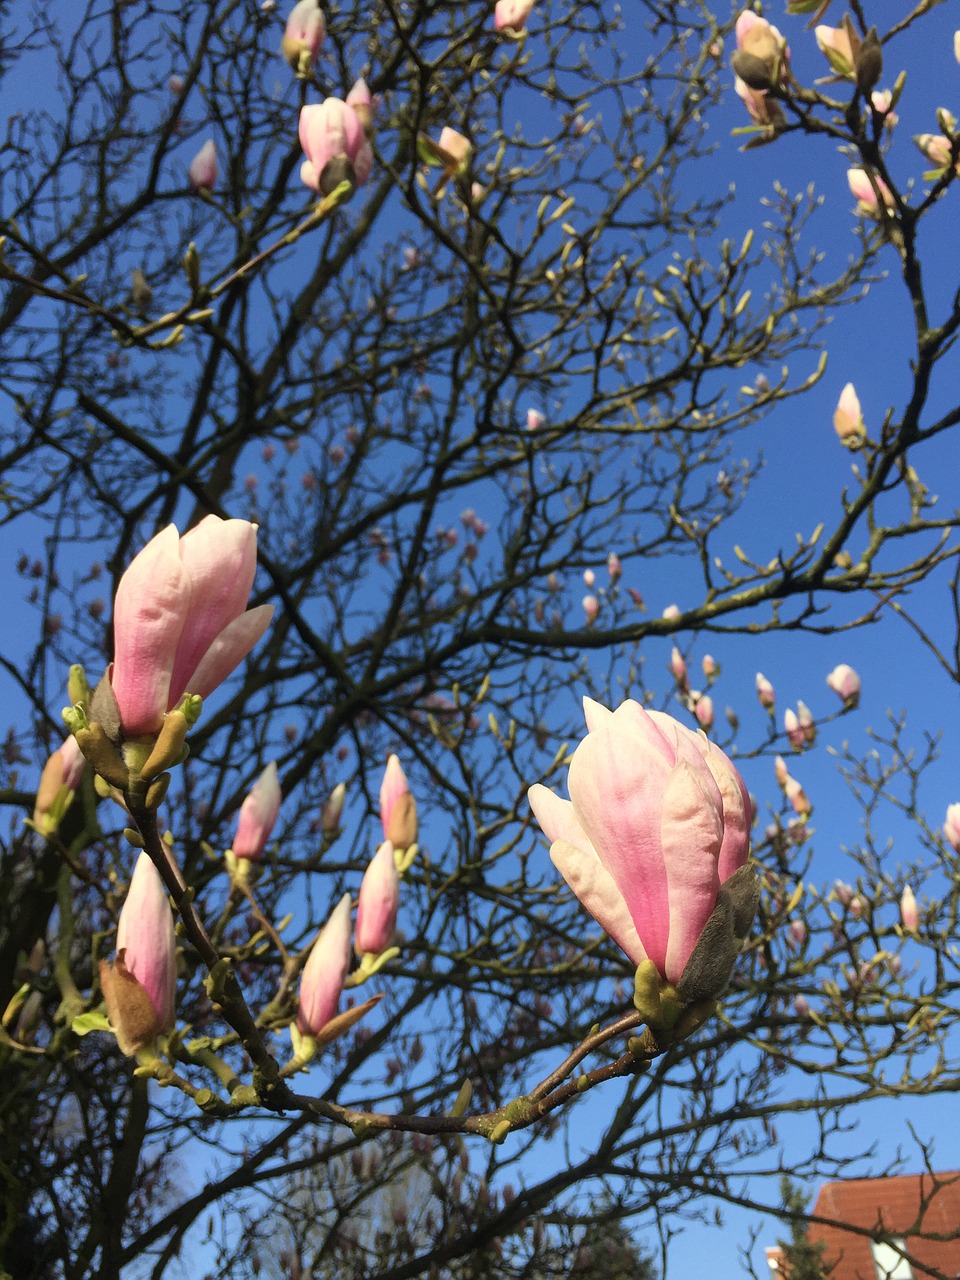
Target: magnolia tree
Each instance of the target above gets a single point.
(374, 410)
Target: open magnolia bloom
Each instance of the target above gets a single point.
(654, 842)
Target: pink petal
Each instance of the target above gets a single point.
(325, 971)
(378, 902)
(220, 557)
(149, 612)
(691, 825)
(597, 891)
(146, 934)
(228, 650)
(557, 818)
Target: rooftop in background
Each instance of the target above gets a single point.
(919, 1214)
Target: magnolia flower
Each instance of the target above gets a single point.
(654, 842)
(336, 146)
(258, 813)
(764, 110)
(765, 691)
(837, 44)
(398, 809)
(303, 35)
(361, 100)
(204, 169)
(180, 621)
(677, 666)
(703, 710)
(807, 723)
(848, 419)
(909, 914)
(139, 987)
(58, 782)
(866, 186)
(511, 15)
(951, 828)
(333, 809)
(795, 731)
(591, 608)
(936, 148)
(535, 419)
(325, 971)
(378, 903)
(845, 683)
(781, 772)
(761, 56)
(614, 567)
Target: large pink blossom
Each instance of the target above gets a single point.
(657, 821)
(335, 144)
(180, 620)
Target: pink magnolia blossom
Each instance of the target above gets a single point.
(180, 621)
(709, 666)
(258, 813)
(807, 723)
(797, 932)
(511, 15)
(591, 607)
(951, 828)
(140, 987)
(936, 148)
(909, 914)
(835, 44)
(361, 100)
(335, 144)
(204, 168)
(848, 418)
(535, 419)
(398, 809)
(763, 109)
(457, 147)
(378, 903)
(325, 971)
(677, 667)
(765, 691)
(801, 1006)
(658, 820)
(614, 567)
(796, 734)
(703, 710)
(797, 797)
(781, 772)
(862, 184)
(59, 780)
(303, 34)
(845, 683)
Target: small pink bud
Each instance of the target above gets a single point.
(807, 723)
(703, 710)
(801, 1006)
(363, 104)
(909, 914)
(398, 809)
(951, 828)
(795, 732)
(303, 35)
(204, 168)
(678, 667)
(614, 567)
(591, 607)
(865, 186)
(797, 797)
(765, 691)
(844, 893)
(325, 971)
(835, 43)
(848, 419)
(589, 578)
(535, 419)
(936, 148)
(845, 683)
(798, 932)
(59, 780)
(671, 612)
(140, 986)
(781, 771)
(258, 813)
(378, 903)
(709, 666)
(333, 810)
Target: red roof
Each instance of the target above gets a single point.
(917, 1209)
